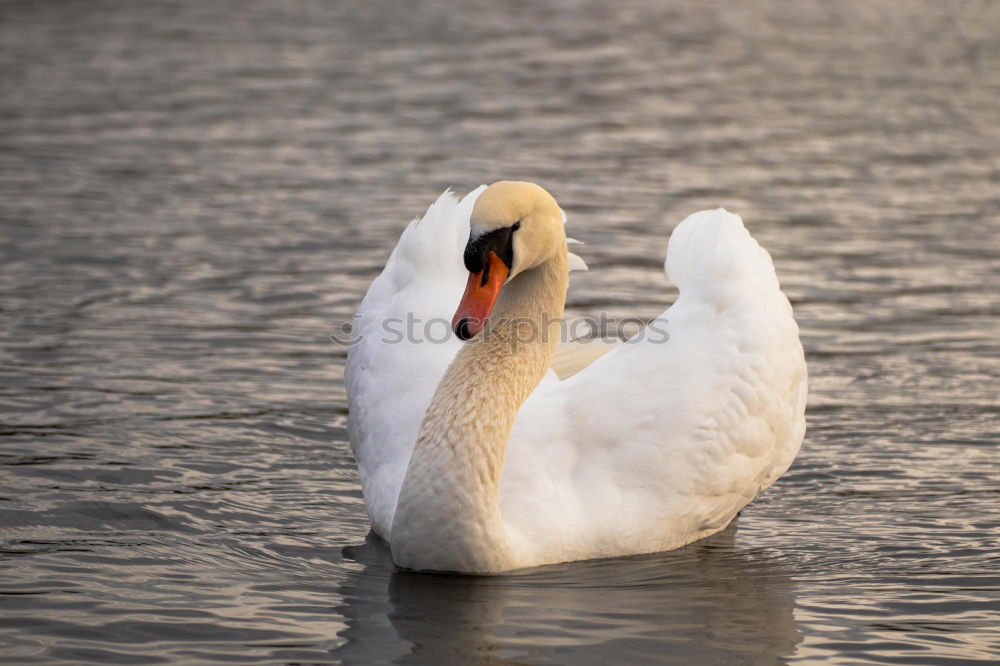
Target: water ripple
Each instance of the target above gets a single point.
(193, 195)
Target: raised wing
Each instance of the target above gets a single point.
(687, 420)
(402, 344)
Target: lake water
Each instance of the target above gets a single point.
(193, 195)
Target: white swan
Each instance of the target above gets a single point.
(475, 457)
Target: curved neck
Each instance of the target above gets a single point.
(448, 514)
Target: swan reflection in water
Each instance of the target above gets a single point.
(705, 603)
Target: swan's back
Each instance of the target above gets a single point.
(663, 440)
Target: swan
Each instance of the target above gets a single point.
(476, 456)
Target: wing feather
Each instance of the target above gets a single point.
(665, 438)
(401, 346)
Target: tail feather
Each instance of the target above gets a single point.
(711, 254)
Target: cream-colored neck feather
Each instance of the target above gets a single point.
(448, 515)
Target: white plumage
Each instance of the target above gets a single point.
(658, 442)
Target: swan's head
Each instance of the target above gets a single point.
(515, 227)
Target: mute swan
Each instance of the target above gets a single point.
(475, 457)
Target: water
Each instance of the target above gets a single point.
(192, 195)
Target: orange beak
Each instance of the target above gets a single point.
(481, 293)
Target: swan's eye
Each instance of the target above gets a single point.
(500, 241)
(516, 226)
